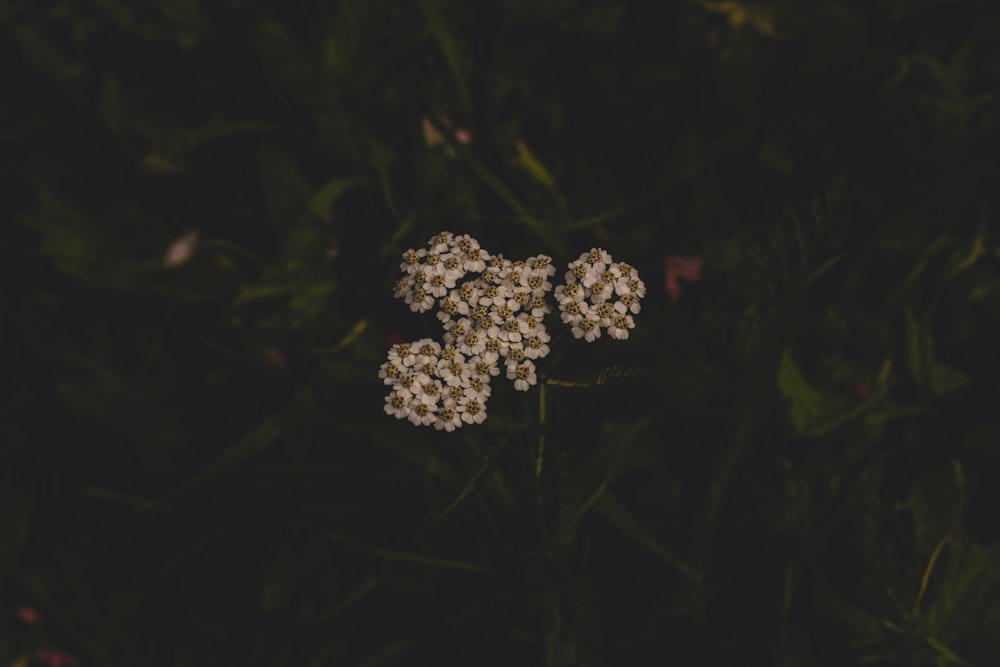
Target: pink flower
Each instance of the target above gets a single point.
(53, 658)
(274, 357)
(181, 249)
(859, 389)
(28, 615)
(432, 137)
(678, 268)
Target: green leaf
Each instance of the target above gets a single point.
(189, 22)
(612, 509)
(321, 202)
(406, 557)
(288, 67)
(286, 189)
(968, 593)
(259, 438)
(805, 400)
(408, 449)
(448, 45)
(527, 160)
(39, 51)
(937, 377)
(944, 379)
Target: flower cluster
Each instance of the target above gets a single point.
(491, 320)
(435, 385)
(600, 294)
(492, 310)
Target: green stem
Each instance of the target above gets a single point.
(541, 429)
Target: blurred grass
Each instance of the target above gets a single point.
(792, 465)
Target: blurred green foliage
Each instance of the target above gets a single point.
(204, 208)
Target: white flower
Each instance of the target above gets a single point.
(597, 258)
(573, 311)
(599, 291)
(455, 330)
(539, 306)
(440, 242)
(536, 345)
(411, 261)
(471, 410)
(571, 291)
(522, 374)
(438, 285)
(448, 418)
(619, 328)
(542, 264)
(402, 354)
(455, 373)
(473, 343)
(419, 300)
(422, 414)
(390, 372)
(494, 295)
(399, 403)
(628, 303)
(604, 313)
(588, 303)
(587, 328)
(484, 368)
(426, 350)
(453, 270)
(479, 388)
(493, 348)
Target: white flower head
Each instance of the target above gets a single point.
(600, 293)
(523, 374)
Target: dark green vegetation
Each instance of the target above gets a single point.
(795, 464)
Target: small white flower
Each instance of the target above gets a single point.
(542, 264)
(453, 270)
(573, 311)
(571, 291)
(426, 350)
(399, 403)
(402, 354)
(471, 410)
(455, 373)
(438, 285)
(599, 291)
(604, 313)
(411, 261)
(628, 303)
(455, 330)
(419, 300)
(587, 328)
(494, 295)
(440, 242)
(619, 328)
(493, 348)
(475, 260)
(479, 388)
(536, 345)
(422, 414)
(510, 331)
(523, 375)
(484, 368)
(473, 343)
(390, 372)
(539, 306)
(598, 258)
(448, 418)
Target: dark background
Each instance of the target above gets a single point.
(793, 464)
